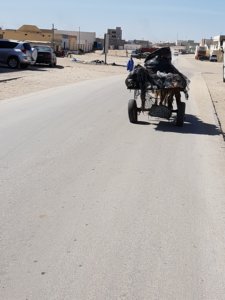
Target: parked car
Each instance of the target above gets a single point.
(137, 54)
(213, 57)
(45, 55)
(203, 57)
(15, 54)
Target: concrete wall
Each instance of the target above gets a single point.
(131, 46)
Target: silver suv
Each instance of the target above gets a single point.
(15, 54)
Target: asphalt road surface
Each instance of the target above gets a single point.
(94, 207)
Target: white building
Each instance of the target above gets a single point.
(85, 40)
(217, 46)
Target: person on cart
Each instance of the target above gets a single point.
(130, 65)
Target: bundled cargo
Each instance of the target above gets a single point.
(160, 81)
(158, 72)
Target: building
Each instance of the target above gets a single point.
(143, 43)
(206, 42)
(115, 38)
(217, 46)
(28, 33)
(85, 40)
(58, 39)
(131, 46)
(37, 36)
(186, 46)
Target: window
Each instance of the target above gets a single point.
(7, 44)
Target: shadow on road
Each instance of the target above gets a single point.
(39, 68)
(192, 125)
(43, 67)
(7, 70)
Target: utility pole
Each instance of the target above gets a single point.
(53, 37)
(106, 46)
(79, 39)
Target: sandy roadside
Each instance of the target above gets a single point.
(68, 71)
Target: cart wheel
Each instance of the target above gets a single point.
(180, 114)
(132, 110)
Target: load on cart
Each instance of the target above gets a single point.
(158, 86)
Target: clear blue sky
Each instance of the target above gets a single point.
(158, 20)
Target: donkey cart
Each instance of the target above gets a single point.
(157, 87)
(158, 103)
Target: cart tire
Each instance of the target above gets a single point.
(132, 111)
(180, 113)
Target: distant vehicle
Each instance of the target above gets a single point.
(135, 54)
(213, 57)
(138, 54)
(201, 53)
(15, 54)
(97, 46)
(175, 53)
(45, 55)
(148, 49)
(204, 57)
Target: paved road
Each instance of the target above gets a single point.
(93, 207)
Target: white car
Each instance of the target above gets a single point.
(45, 55)
(15, 54)
(213, 57)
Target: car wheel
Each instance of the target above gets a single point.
(13, 62)
(52, 65)
(23, 66)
